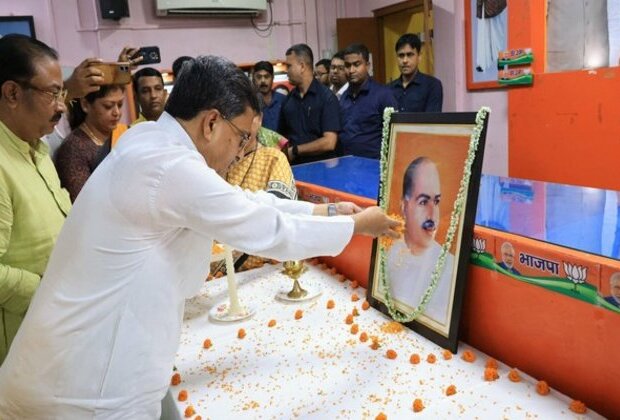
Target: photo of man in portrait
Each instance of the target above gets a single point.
(614, 287)
(508, 258)
(411, 260)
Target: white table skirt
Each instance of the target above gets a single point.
(315, 368)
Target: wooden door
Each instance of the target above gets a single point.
(365, 31)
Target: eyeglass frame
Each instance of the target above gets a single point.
(244, 136)
(56, 97)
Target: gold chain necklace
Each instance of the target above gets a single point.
(86, 129)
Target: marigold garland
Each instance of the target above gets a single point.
(459, 206)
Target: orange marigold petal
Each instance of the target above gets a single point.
(414, 359)
(207, 343)
(272, 323)
(491, 363)
(490, 374)
(447, 354)
(354, 297)
(349, 319)
(418, 405)
(578, 407)
(189, 411)
(542, 388)
(355, 328)
(299, 314)
(451, 390)
(365, 305)
(241, 333)
(363, 337)
(176, 379)
(381, 416)
(331, 304)
(514, 376)
(431, 358)
(391, 354)
(182, 395)
(469, 356)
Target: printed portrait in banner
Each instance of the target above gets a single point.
(422, 173)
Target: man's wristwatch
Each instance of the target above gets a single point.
(331, 210)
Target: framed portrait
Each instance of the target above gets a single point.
(486, 34)
(425, 183)
(23, 25)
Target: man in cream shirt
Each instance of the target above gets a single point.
(100, 336)
(410, 262)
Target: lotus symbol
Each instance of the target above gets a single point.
(576, 273)
(479, 245)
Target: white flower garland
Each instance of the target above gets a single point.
(459, 203)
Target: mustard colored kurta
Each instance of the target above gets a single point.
(33, 208)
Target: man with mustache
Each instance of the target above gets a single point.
(411, 261)
(270, 100)
(414, 90)
(33, 206)
(148, 84)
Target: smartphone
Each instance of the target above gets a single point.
(114, 73)
(150, 55)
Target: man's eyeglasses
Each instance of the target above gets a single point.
(57, 96)
(244, 136)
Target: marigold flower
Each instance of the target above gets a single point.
(182, 395)
(207, 343)
(418, 405)
(414, 359)
(189, 411)
(241, 333)
(447, 354)
(490, 374)
(354, 297)
(354, 329)
(514, 376)
(431, 358)
(272, 323)
(363, 337)
(451, 390)
(542, 388)
(365, 305)
(299, 314)
(176, 379)
(578, 407)
(391, 354)
(491, 363)
(381, 416)
(375, 343)
(331, 304)
(469, 356)
(349, 319)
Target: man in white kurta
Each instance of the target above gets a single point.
(411, 261)
(100, 336)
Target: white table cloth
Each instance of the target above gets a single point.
(315, 367)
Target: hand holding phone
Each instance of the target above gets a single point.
(150, 55)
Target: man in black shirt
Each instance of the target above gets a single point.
(310, 117)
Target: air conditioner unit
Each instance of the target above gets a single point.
(209, 7)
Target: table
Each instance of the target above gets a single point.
(314, 367)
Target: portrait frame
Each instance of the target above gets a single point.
(487, 79)
(445, 139)
(23, 25)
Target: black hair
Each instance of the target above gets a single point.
(410, 172)
(18, 54)
(326, 62)
(209, 82)
(263, 65)
(177, 65)
(409, 39)
(357, 49)
(303, 52)
(77, 114)
(339, 55)
(145, 72)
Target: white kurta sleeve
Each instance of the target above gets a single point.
(191, 195)
(282, 204)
